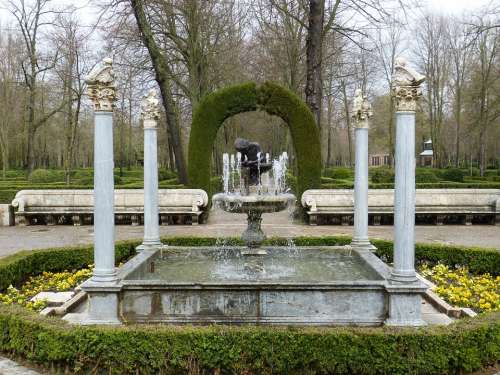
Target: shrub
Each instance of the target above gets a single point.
(472, 171)
(16, 268)
(165, 174)
(216, 184)
(459, 348)
(453, 174)
(382, 175)
(339, 173)
(425, 175)
(46, 175)
(83, 173)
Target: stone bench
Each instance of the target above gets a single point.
(439, 205)
(77, 206)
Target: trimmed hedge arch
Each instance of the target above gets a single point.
(270, 97)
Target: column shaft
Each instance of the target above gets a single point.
(404, 198)
(151, 224)
(104, 219)
(360, 237)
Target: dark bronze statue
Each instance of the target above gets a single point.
(250, 160)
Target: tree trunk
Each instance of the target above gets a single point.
(161, 75)
(347, 121)
(314, 47)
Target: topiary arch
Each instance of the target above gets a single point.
(216, 107)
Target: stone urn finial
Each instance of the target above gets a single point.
(405, 85)
(101, 86)
(150, 106)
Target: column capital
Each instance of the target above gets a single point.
(405, 86)
(101, 86)
(361, 110)
(150, 109)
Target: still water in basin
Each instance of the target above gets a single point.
(287, 264)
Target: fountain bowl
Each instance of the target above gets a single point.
(263, 203)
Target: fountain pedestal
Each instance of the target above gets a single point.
(253, 235)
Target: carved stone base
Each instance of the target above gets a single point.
(405, 305)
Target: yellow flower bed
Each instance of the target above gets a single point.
(460, 288)
(46, 282)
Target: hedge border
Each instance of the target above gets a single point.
(276, 100)
(462, 347)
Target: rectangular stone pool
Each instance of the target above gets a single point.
(297, 285)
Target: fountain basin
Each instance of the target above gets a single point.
(302, 286)
(264, 203)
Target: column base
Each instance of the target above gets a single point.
(362, 244)
(403, 277)
(104, 276)
(149, 245)
(102, 305)
(405, 302)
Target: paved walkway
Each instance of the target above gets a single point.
(8, 367)
(13, 239)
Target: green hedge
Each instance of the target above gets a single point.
(216, 107)
(16, 268)
(462, 347)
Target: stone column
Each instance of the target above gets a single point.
(150, 107)
(361, 114)
(101, 92)
(405, 289)
(102, 288)
(406, 92)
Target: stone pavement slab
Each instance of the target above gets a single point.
(8, 367)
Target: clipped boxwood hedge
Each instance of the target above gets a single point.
(16, 268)
(275, 100)
(161, 349)
(462, 347)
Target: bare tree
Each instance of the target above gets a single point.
(389, 45)
(459, 43)
(71, 69)
(485, 86)
(30, 18)
(434, 56)
(163, 77)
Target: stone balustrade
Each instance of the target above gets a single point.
(76, 206)
(438, 205)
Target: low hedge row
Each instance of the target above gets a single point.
(17, 267)
(462, 347)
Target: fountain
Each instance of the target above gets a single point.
(250, 195)
(256, 284)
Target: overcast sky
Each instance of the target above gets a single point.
(442, 6)
(458, 6)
